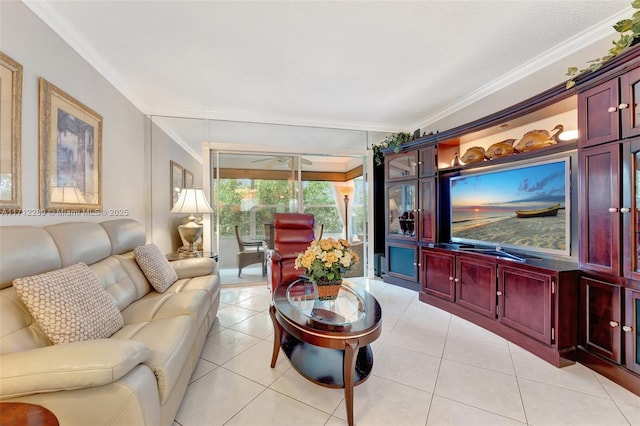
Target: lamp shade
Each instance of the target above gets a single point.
(191, 201)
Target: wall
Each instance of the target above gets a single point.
(164, 225)
(26, 39)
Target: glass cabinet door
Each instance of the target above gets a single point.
(402, 166)
(631, 329)
(401, 209)
(630, 208)
(629, 98)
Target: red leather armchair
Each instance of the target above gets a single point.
(293, 232)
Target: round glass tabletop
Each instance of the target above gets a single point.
(346, 308)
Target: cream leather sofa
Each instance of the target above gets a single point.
(139, 375)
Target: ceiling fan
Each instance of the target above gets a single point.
(290, 162)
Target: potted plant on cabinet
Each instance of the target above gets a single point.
(394, 140)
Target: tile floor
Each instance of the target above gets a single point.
(430, 368)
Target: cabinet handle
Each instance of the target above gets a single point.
(450, 278)
(612, 109)
(614, 324)
(625, 210)
(626, 328)
(623, 106)
(456, 280)
(499, 293)
(613, 209)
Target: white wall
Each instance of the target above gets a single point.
(26, 39)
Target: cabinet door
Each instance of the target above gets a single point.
(599, 216)
(428, 210)
(402, 261)
(631, 208)
(428, 161)
(438, 270)
(629, 98)
(600, 318)
(631, 330)
(598, 117)
(401, 209)
(476, 285)
(401, 166)
(524, 302)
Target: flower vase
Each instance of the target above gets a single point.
(328, 289)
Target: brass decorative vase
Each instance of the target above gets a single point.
(328, 289)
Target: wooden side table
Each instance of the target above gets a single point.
(21, 414)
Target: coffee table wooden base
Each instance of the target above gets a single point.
(21, 413)
(343, 367)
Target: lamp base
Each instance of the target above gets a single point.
(190, 232)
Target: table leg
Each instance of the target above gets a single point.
(277, 336)
(349, 366)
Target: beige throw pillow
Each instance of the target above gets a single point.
(69, 304)
(155, 266)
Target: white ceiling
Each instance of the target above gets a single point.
(362, 65)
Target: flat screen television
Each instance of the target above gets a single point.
(524, 207)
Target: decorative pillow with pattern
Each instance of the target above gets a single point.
(69, 304)
(155, 266)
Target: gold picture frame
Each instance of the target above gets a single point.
(176, 182)
(70, 153)
(188, 179)
(10, 133)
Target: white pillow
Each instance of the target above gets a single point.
(70, 304)
(155, 266)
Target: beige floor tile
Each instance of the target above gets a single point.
(255, 364)
(416, 337)
(259, 302)
(215, 398)
(271, 408)
(405, 366)
(631, 413)
(297, 387)
(203, 367)
(554, 405)
(576, 377)
(379, 401)
(480, 353)
(232, 315)
(445, 412)
(480, 388)
(223, 346)
(259, 326)
(619, 394)
(463, 328)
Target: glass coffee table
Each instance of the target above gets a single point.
(327, 341)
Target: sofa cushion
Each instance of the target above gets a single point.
(69, 304)
(75, 366)
(155, 266)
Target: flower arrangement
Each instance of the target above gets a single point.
(394, 140)
(327, 259)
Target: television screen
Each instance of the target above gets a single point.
(523, 207)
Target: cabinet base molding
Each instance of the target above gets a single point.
(551, 354)
(615, 373)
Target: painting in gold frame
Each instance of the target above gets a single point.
(177, 181)
(70, 153)
(10, 133)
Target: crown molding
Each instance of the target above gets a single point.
(576, 43)
(44, 11)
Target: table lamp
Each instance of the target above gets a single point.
(191, 201)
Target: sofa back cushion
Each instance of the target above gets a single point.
(70, 304)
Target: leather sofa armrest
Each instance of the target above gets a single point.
(70, 366)
(196, 267)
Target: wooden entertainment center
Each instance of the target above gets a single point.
(580, 306)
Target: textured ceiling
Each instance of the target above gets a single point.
(364, 65)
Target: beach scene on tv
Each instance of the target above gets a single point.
(525, 206)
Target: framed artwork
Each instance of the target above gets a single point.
(177, 181)
(70, 152)
(10, 133)
(188, 179)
